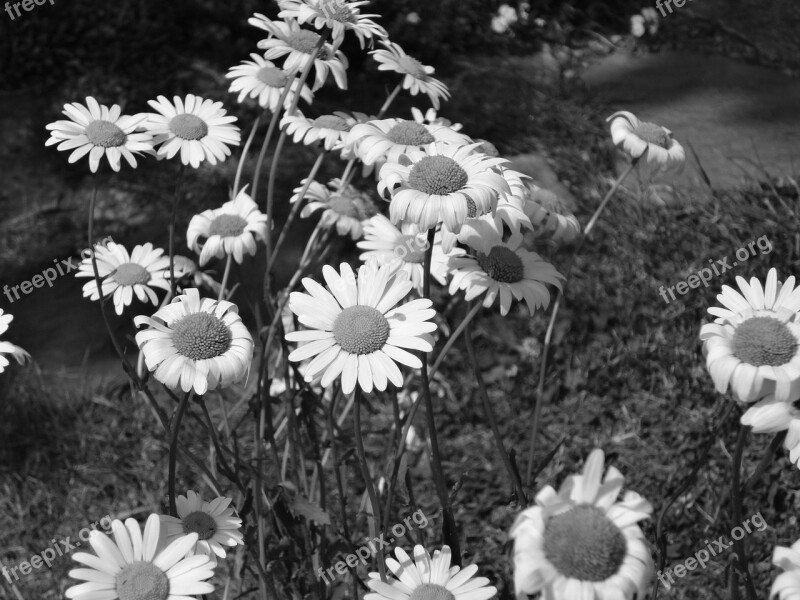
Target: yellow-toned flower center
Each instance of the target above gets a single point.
(411, 248)
(227, 225)
(105, 134)
(131, 274)
(361, 330)
(472, 209)
(272, 76)
(410, 133)
(336, 10)
(200, 336)
(200, 523)
(304, 41)
(188, 127)
(412, 66)
(761, 341)
(652, 134)
(331, 122)
(431, 591)
(142, 581)
(437, 175)
(502, 264)
(583, 543)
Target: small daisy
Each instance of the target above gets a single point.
(502, 268)
(549, 216)
(214, 523)
(126, 274)
(426, 578)
(774, 296)
(417, 77)
(261, 79)
(233, 229)
(345, 208)
(580, 543)
(356, 330)
(185, 267)
(199, 128)
(7, 347)
(640, 138)
(441, 183)
(97, 130)
(429, 117)
(771, 416)
(300, 44)
(337, 15)
(332, 130)
(196, 343)
(134, 566)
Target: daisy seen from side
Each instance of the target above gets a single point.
(344, 208)
(642, 139)
(770, 415)
(337, 15)
(331, 129)
(417, 78)
(261, 80)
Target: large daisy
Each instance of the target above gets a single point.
(7, 347)
(233, 229)
(332, 129)
(787, 585)
(771, 416)
(196, 343)
(416, 76)
(337, 15)
(345, 208)
(100, 131)
(580, 542)
(426, 578)
(356, 329)
(215, 524)
(124, 275)
(643, 139)
(262, 80)
(200, 129)
(135, 566)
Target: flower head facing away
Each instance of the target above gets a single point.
(644, 139)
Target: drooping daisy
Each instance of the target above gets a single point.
(100, 131)
(233, 229)
(332, 130)
(299, 46)
(185, 267)
(549, 216)
(641, 138)
(774, 296)
(337, 15)
(580, 543)
(125, 274)
(345, 208)
(356, 329)
(261, 79)
(134, 566)
(787, 585)
(771, 416)
(196, 343)
(502, 269)
(7, 347)
(200, 129)
(214, 523)
(440, 184)
(416, 76)
(426, 578)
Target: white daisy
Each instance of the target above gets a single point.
(549, 216)
(200, 129)
(100, 131)
(126, 274)
(332, 130)
(356, 330)
(787, 585)
(640, 138)
(261, 79)
(775, 296)
(416, 76)
(771, 416)
(337, 15)
(196, 343)
(7, 347)
(345, 208)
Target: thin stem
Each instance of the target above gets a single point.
(245, 150)
(389, 100)
(736, 509)
(173, 219)
(454, 336)
(173, 452)
(225, 277)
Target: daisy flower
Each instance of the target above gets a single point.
(580, 543)
(7, 347)
(99, 131)
(214, 523)
(134, 566)
(185, 267)
(502, 269)
(775, 296)
(332, 130)
(549, 215)
(429, 117)
(196, 343)
(440, 184)
(299, 46)
(261, 79)
(231, 229)
(337, 15)
(787, 585)
(771, 416)
(416, 76)
(200, 129)
(124, 275)
(345, 208)
(641, 138)
(426, 578)
(356, 330)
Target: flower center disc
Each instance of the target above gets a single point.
(410, 133)
(227, 225)
(331, 122)
(304, 41)
(437, 175)
(502, 264)
(131, 274)
(337, 11)
(200, 336)
(412, 251)
(763, 341)
(272, 76)
(361, 330)
(412, 66)
(472, 208)
(105, 134)
(652, 134)
(200, 523)
(142, 581)
(188, 127)
(431, 591)
(584, 544)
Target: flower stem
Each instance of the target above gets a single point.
(389, 100)
(225, 277)
(454, 336)
(173, 452)
(245, 150)
(172, 220)
(736, 509)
